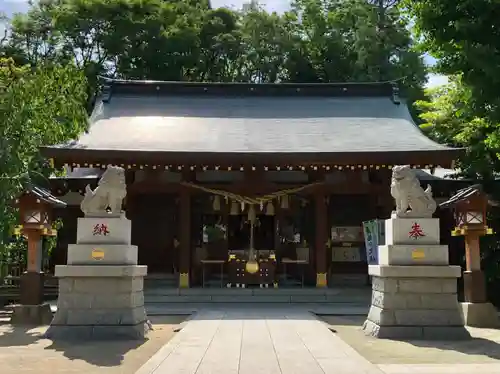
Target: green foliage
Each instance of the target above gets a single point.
(43, 105)
(317, 41)
(449, 119)
(464, 37)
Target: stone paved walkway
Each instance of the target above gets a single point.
(257, 342)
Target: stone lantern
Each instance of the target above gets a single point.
(35, 211)
(470, 208)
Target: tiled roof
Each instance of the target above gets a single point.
(45, 196)
(285, 122)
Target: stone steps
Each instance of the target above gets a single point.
(361, 296)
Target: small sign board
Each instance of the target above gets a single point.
(417, 254)
(371, 234)
(97, 254)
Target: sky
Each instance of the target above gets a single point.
(13, 6)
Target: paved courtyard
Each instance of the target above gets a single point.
(255, 342)
(275, 341)
(245, 338)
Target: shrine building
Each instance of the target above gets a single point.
(306, 163)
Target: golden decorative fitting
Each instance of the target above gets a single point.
(184, 280)
(252, 267)
(321, 280)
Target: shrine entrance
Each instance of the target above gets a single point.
(154, 231)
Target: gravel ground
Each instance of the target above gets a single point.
(482, 349)
(23, 351)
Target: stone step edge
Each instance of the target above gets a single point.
(100, 271)
(415, 271)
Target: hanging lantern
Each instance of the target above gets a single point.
(216, 203)
(284, 202)
(234, 208)
(251, 213)
(270, 209)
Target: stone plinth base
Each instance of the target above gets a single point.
(414, 254)
(415, 332)
(480, 315)
(31, 315)
(409, 231)
(104, 254)
(100, 302)
(104, 230)
(415, 302)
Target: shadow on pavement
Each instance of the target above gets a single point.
(474, 346)
(484, 342)
(17, 336)
(100, 353)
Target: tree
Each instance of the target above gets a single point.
(44, 105)
(464, 37)
(449, 119)
(359, 40)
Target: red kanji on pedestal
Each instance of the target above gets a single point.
(416, 231)
(100, 229)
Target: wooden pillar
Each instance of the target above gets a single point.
(321, 240)
(32, 280)
(474, 280)
(184, 237)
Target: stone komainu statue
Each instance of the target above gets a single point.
(110, 192)
(406, 190)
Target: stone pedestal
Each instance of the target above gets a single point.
(476, 310)
(37, 315)
(32, 310)
(414, 290)
(101, 288)
(483, 315)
